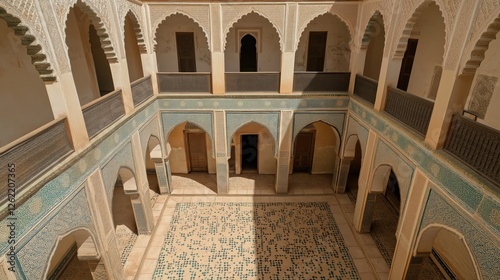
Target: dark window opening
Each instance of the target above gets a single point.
(407, 64)
(249, 151)
(316, 51)
(248, 54)
(185, 51)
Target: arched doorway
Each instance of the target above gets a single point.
(248, 54)
(252, 161)
(132, 51)
(122, 211)
(153, 147)
(89, 64)
(191, 160)
(315, 156)
(442, 253)
(355, 157)
(65, 262)
(24, 103)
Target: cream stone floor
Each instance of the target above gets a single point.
(196, 188)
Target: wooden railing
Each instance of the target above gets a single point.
(321, 81)
(252, 81)
(142, 89)
(184, 82)
(32, 155)
(410, 109)
(477, 145)
(365, 88)
(102, 112)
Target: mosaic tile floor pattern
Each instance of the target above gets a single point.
(125, 239)
(215, 240)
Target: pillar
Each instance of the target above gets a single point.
(389, 75)
(218, 38)
(221, 157)
(64, 101)
(160, 168)
(284, 151)
(287, 72)
(341, 181)
(357, 64)
(121, 80)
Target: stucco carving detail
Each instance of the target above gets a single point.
(200, 14)
(274, 13)
(128, 8)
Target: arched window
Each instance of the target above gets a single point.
(248, 54)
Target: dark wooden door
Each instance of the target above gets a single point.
(197, 152)
(407, 64)
(249, 151)
(316, 51)
(303, 152)
(185, 51)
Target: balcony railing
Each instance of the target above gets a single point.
(102, 112)
(321, 81)
(184, 82)
(477, 145)
(410, 109)
(142, 89)
(365, 88)
(252, 81)
(33, 154)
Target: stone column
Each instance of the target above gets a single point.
(357, 64)
(161, 171)
(403, 265)
(64, 102)
(221, 157)
(284, 151)
(369, 209)
(104, 226)
(121, 80)
(287, 72)
(218, 66)
(345, 164)
(288, 49)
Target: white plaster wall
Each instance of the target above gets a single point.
(337, 53)
(430, 50)
(24, 104)
(375, 51)
(80, 55)
(166, 49)
(324, 149)
(133, 55)
(268, 49)
(490, 67)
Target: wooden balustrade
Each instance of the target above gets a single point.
(179, 82)
(142, 89)
(321, 81)
(102, 112)
(366, 88)
(252, 81)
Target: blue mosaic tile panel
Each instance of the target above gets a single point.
(254, 240)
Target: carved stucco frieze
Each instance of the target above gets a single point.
(275, 13)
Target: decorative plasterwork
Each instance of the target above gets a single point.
(22, 17)
(346, 12)
(127, 8)
(410, 12)
(98, 12)
(274, 13)
(200, 14)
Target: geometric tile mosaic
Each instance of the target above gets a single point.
(215, 240)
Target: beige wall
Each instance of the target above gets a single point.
(375, 50)
(337, 53)
(490, 67)
(454, 253)
(324, 149)
(134, 63)
(266, 159)
(80, 55)
(24, 104)
(268, 48)
(429, 30)
(166, 49)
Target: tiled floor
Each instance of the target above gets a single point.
(197, 233)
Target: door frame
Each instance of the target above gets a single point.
(313, 144)
(188, 149)
(238, 151)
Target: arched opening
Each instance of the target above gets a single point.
(248, 54)
(354, 154)
(253, 41)
(252, 163)
(373, 41)
(132, 51)
(188, 52)
(89, 64)
(190, 160)
(24, 103)
(442, 253)
(324, 46)
(123, 212)
(421, 65)
(71, 257)
(382, 210)
(315, 153)
(483, 88)
(153, 149)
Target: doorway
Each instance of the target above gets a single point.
(197, 152)
(186, 51)
(248, 54)
(407, 64)
(249, 152)
(303, 152)
(316, 51)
